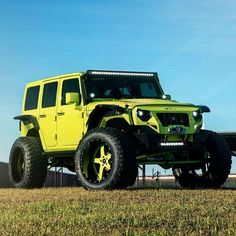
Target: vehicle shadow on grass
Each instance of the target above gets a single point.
(171, 188)
(172, 184)
(177, 187)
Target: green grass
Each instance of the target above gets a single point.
(75, 211)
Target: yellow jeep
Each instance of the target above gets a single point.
(103, 124)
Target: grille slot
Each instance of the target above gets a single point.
(167, 119)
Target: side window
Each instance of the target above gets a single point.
(31, 100)
(49, 94)
(69, 86)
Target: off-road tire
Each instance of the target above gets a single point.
(123, 171)
(219, 164)
(131, 165)
(28, 150)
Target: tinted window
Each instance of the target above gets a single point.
(69, 86)
(49, 95)
(31, 101)
(123, 87)
(147, 90)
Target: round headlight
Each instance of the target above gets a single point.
(140, 113)
(197, 115)
(144, 115)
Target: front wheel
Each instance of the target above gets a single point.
(215, 156)
(105, 160)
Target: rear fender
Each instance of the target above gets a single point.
(29, 126)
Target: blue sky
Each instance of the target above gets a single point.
(191, 44)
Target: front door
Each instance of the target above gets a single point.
(47, 115)
(69, 116)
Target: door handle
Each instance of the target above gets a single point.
(60, 113)
(42, 115)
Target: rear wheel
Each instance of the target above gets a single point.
(104, 160)
(215, 167)
(27, 166)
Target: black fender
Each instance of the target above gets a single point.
(204, 108)
(100, 111)
(230, 138)
(28, 119)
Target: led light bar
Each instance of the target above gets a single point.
(171, 144)
(120, 73)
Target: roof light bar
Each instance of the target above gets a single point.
(171, 144)
(94, 72)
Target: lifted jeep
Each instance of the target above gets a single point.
(103, 124)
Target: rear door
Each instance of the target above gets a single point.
(47, 115)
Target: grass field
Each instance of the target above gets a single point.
(75, 211)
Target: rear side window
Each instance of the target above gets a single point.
(49, 95)
(31, 100)
(69, 86)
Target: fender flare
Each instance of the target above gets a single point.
(100, 111)
(28, 119)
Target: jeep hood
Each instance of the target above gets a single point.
(146, 104)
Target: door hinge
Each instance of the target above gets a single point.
(55, 136)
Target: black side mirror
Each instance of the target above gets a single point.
(204, 109)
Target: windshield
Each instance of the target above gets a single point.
(122, 87)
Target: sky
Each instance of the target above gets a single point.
(191, 44)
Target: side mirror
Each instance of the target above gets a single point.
(72, 98)
(166, 97)
(204, 109)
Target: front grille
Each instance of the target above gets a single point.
(167, 119)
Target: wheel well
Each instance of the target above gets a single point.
(118, 123)
(99, 112)
(33, 133)
(96, 116)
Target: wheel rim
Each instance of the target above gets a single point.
(96, 161)
(18, 165)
